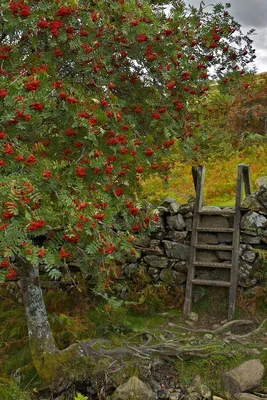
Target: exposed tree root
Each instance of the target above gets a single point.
(220, 329)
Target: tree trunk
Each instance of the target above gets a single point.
(51, 364)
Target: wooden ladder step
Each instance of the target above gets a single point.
(212, 264)
(213, 247)
(219, 230)
(210, 283)
(224, 213)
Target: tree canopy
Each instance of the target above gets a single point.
(93, 96)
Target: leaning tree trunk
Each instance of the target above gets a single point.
(52, 365)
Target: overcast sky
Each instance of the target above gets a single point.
(250, 14)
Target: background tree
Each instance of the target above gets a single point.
(92, 96)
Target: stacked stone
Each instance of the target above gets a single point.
(164, 254)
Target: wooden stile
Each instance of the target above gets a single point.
(243, 179)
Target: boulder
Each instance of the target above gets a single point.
(156, 262)
(251, 221)
(172, 277)
(245, 377)
(133, 389)
(176, 250)
(176, 222)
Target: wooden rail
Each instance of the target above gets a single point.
(243, 182)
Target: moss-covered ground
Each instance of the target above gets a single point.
(137, 321)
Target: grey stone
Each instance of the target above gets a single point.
(131, 269)
(208, 238)
(159, 225)
(174, 207)
(262, 195)
(246, 276)
(156, 251)
(249, 239)
(162, 210)
(153, 271)
(245, 377)
(167, 202)
(188, 224)
(189, 323)
(155, 243)
(154, 384)
(175, 396)
(249, 256)
(211, 208)
(185, 209)
(180, 266)
(247, 396)
(156, 262)
(193, 316)
(143, 242)
(224, 255)
(176, 221)
(176, 250)
(176, 236)
(252, 220)
(174, 277)
(204, 391)
(194, 396)
(189, 215)
(225, 237)
(261, 181)
(208, 256)
(214, 221)
(163, 394)
(251, 203)
(133, 389)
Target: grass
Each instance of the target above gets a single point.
(220, 179)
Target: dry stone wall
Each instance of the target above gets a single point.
(164, 254)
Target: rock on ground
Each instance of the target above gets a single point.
(133, 389)
(245, 377)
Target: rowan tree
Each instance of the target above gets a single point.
(93, 95)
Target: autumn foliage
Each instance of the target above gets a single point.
(93, 96)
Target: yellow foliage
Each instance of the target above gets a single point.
(220, 179)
